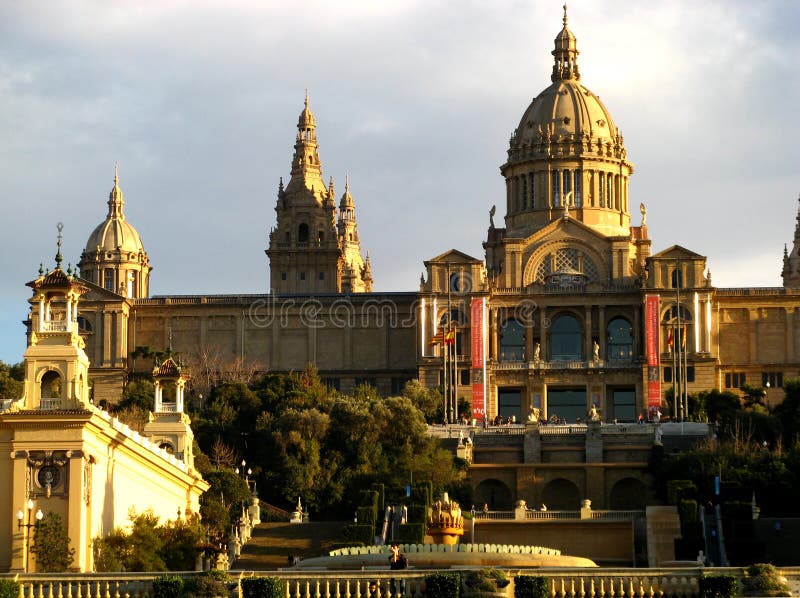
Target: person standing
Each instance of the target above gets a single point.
(397, 562)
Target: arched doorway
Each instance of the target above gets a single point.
(495, 494)
(628, 494)
(561, 495)
(566, 339)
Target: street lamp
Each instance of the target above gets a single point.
(28, 517)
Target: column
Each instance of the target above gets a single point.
(708, 323)
(543, 334)
(106, 338)
(587, 340)
(637, 334)
(753, 334)
(68, 315)
(601, 327)
(158, 399)
(19, 496)
(41, 313)
(423, 340)
(789, 333)
(77, 523)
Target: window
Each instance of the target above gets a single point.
(302, 233)
(619, 342)
(735, 380)
(566, 186)
(331, 383)
(556, 196)
(302, 275)
(578, 197)
(667, 374)
(773, 379)
(322, 275)
(512, 341)
(602, 187)
(108, 279)
(565, 339)
(676, 279)
(399, 384)
(524, 193)
(465, 381)
(531, 178)
(283, 275)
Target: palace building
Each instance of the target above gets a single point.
(570, 308)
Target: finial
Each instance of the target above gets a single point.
(116, 174)
(169, 348)
(306, 97)
(41, 269)
(59, 257)
(346, 182)
(69, 268)
(565, 14)
(280, 185)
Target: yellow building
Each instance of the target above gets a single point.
(71, 458)
(570, 307)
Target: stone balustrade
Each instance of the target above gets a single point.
(564, 583)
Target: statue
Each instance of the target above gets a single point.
(643, 210)
(567, 198)
(595, 351)
(537, 352)
(593, 416)
(533, 415)
(491, 216)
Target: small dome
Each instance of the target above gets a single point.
(306, 119)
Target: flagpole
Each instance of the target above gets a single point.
(678, 343)
(449, 415)
(673, 336)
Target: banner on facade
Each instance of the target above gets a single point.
(478, 342)
(651, 330)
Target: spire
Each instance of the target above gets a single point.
(306, 167)
(346, 203)
(59, 257)
(565, 54)
(116, 200)
(791, 260)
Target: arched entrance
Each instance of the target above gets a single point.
(495, 494)
(628, 494)
(561, 495)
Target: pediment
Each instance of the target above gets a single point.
(565, 229)
(453, 256)
(98, 293)
(679, 253)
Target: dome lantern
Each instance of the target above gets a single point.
(565, 54)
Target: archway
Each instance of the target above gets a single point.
(561, 495)
(628, 494)
(51, 385)
(495, 494)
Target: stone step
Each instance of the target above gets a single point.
(271, 544)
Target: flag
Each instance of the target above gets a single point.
(438, 338)
(683, 337)
(669, 340)
(450, 338)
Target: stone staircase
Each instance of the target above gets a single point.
(271, 544)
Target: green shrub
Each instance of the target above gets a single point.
(486, 580)
(263, 587)
(687, 511)
(208, 584)
(531, 586)
(443, 585)
(167, 586)
(417, 513)
(380, 489)
(678, 489)
(411, 533)
(345, 544)
(718, 586)
(362, 534)
(366, 516)
(9, 588)
(763, 580)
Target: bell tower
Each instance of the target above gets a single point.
(56, 366)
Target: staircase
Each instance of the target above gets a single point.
(271, 544)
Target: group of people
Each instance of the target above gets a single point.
(397, 562)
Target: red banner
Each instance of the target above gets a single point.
(651, 329)
(478, 342)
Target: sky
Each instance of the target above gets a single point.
(197, 102)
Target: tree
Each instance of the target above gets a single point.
(51, 545)
(11, 377)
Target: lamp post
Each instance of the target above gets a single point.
(26, 520)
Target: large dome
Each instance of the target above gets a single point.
(566, 111)
(115, 233)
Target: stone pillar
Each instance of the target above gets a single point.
(532, 444)
(77, 520)
(587, 341)
(601, 331)
(543, 333)
(663, 527)
(594, 442)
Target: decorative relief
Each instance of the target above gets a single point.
(47, 473)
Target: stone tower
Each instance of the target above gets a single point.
(309, 252)
(114, 257)
(791, 260)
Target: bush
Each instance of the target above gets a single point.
(486, 580)
(678, 489)
(411, 533)
(9, 588)
(443, 585)
(531, 586)
(208, 584)
(718, 586)
(346, 544)
(263, 587)
(361, 534)
(763, 580)
(167, 586)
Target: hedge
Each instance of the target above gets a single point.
(9, 588)
(167, 586)
(263, 587)
(678, 489)
(718, 586)
(364, 534)
(531, 586)
(443, 585)
(411, 533)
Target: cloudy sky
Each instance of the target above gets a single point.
(197, 101)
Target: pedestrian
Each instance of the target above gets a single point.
(373, 589)
(397, 562)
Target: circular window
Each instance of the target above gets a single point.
(49, 475)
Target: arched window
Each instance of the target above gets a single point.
(51, 385)
(566, 339)
(512, 341)
(619, 339)
(676, 278)
(556, 195)
(302, 233)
